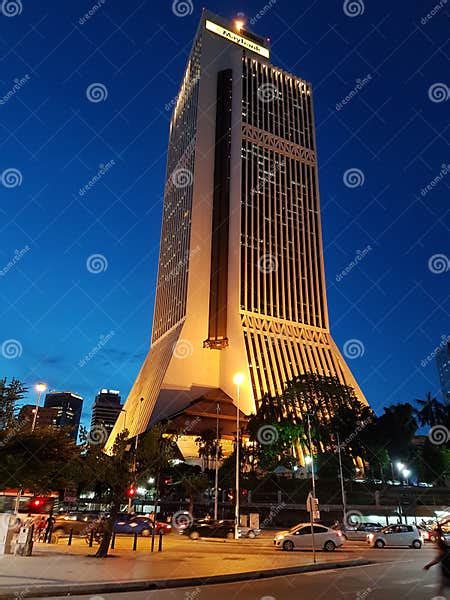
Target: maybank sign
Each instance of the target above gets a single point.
(237, 39)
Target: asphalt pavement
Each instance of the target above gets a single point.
(398, 575)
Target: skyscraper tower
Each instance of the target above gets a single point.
(241, 285)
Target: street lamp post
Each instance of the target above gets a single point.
(124, 411)
(313, 482)
(216, 476)
(40, 389)
(237, 380)
(136, 440)
(341, 475)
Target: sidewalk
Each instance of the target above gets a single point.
(58, 569)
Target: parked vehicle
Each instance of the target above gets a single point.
(301, 536)
(396, 535)
(248, 532)
(77, 522)
(210, 528)
(360, 531)
(131, 524)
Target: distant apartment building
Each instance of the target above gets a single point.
(68, 410)
(106, 409)
(443, 365)
(46, 417)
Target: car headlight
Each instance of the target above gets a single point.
(370, 536)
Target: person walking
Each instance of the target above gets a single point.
(49, 528)
(442, 558)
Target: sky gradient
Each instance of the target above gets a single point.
(82, 173)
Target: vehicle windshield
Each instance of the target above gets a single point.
(296, 527)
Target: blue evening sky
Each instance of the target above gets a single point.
(80, 328)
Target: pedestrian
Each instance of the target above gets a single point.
(39, 529)
(442, 558)
(49, 527)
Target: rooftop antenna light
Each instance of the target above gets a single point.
(239, 23)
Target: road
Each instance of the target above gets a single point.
(397, 574)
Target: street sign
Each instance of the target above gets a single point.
(312, 505)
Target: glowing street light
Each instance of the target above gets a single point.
(239, 24)
(238, 380)
(406, 473)
(40, 389)
(400, 466)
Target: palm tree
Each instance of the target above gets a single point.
(430, 412)
(208, 446)
(193, 485)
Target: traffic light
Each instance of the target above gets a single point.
(131, 491)
(35, 504)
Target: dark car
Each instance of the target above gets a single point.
(210, 528)
(131, 524)
(77, 522)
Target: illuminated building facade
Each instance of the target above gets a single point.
(241, 284)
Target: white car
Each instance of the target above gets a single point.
(396, 535)
(301, 536)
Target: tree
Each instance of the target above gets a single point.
(432, 463)
(322, 397)
(193, 485)
(39, 461)
(10, 395)
(430, 412)
(273, 441)
(117, 471)
(328, 465)
(111, 471)
(208, 446)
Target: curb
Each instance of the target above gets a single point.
(145, 585)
